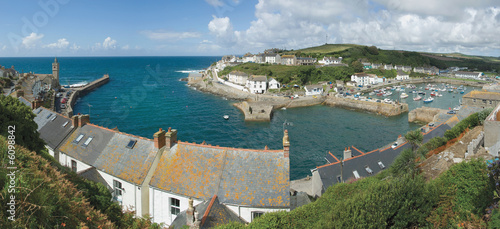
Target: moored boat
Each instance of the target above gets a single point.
(417, 98)
(428, 100)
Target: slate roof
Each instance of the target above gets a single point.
(213, 214)
(258, 78)
(238, 73)
(93, 175)
(311, 87)
(245, 177)
(359, 161)
(55, 131)
(25, 101)
(128, 164)
(483, 95)
(41, 117)
(90, 153)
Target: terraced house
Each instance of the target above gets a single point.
(159, 176)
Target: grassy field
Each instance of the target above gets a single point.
(327, 48)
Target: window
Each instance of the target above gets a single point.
(86, 143)
(474, 100)
(368, 170)
(73, 166)
(117, 187)
(79, 138)
(484, 100)
(65, 124)
(175, 206)
(356, 174)
(48, 116)
(53, 118)
(131, 144)
(256, 215)
(490, 102)
(39, 110)
(382, 166)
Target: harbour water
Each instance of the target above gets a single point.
(144, 94)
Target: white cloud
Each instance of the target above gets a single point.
(215, 2)
(166, 35)
(126, 47)
(32, 40)
(75, 47)
(109, 43)
(60, 44)
(420, 25)
(4, 47)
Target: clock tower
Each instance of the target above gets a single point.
(55, 71)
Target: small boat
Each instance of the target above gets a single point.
(450, 90)
(417, 98)
(380, 94)
(421, 93)
(371, 93)
(428, 100)
(403, 95)
(226, 117)
(457, 108)
(388, 93)
(461, 92)
(283, 108)
(387, 100)
(433, 93)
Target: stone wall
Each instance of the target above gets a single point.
(82, 91)
(255, 112)
(424, 114)
(370, 106)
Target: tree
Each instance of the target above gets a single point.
(415, 139)
(373, 50)
(356, 66)
(18, 118)
(404, 164)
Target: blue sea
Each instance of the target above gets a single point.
(145, 94)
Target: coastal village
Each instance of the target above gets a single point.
(199, 185)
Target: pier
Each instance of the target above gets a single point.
(83, 91)
(386, 109)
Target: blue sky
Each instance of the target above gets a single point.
(218, 27)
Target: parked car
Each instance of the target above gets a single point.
(451, 112)
(63, 106)
(394, 145)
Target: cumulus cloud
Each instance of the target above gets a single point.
(32, 40)
(109, 43)
(167, 35)
(60, 44)
(420, 25)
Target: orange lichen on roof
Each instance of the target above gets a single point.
(228, 148)
(483, 95)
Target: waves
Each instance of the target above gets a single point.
(189, 71)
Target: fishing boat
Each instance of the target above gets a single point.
(226, 117)
(371, 93)
(450, 90)
(388, 93)
(433, 93)
(403, 95)
(417, 98)
(387, 100)
(428, 100)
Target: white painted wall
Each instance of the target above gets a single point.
(65, 160)
(131, 195)
(159, 205)
(245, 212)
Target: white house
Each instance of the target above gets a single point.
(351, 83)
(259, 58)
(330, 60)
(274, 84)
(314, 89)
(288, 60)
(388, 66)
(248, 57)
(272, 58)
(402, 76)
(361, 79)
(474, 75)
(237, 77)
(257, 84)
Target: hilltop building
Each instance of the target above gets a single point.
(481, 99)
(159, 176)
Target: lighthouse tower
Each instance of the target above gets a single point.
(55, 71)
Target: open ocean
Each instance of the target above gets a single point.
(145, 93)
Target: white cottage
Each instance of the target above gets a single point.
(402, 76)
(274, 84)
(257, 84)
(238, 77)
(314, 89)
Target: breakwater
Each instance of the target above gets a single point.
(387, 109)
(424, 114)
(77, 92)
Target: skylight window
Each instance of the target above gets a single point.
(356, 174)
(86, 143)
(79, 138)
(382, 166)
(48, 116)
(39, 110)
(65, 124)
(368, 170)
(131, 144)
(53, 118)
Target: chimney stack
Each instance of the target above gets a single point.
(190, 214)
(159, 139)
(74, 120)
(36, 104)
(171, 137)
(347, 153)
(286, 144)
(83, 120)
(20, 93)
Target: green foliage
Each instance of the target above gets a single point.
(17, 114)
(356, 66)
(495, 220)
(465, 192)
(415, 138)
(404, 164)
(386, 73)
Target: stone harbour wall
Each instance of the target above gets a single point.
(370, 106)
